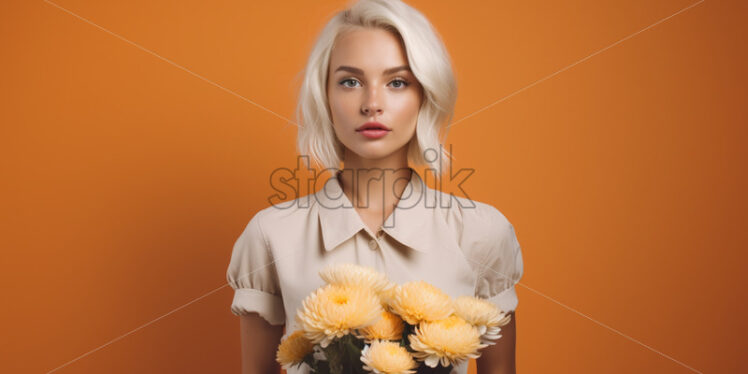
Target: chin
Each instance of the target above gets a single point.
(374, 150)
(373, 155)
(371, 152)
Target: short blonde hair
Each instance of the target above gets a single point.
(428, 60)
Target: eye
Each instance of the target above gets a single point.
(400, 83)
(342, 83)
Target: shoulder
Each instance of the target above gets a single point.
(285, 217)
(479, 227)
(476, 216)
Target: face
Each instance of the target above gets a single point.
(369, 81)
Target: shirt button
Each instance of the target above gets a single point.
(373, 244)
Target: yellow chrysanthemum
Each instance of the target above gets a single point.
(293, 349)
(482, 314)
(388, 295)
(389, 327)
(449, 341)
(333, 311)
(352, 274)
(420, 301)
(382, 357)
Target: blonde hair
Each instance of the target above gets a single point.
(428, 60)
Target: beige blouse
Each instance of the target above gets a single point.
(462, 246)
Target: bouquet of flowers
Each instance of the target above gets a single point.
(360, 322)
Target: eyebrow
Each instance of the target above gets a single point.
(361, 72)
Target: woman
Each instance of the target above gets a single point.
(378, 88)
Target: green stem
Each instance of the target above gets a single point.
(437, 370)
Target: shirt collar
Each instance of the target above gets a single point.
(407, 224)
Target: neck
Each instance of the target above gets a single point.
(375, 185)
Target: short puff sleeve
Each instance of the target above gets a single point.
(502, 265)
(253, 276)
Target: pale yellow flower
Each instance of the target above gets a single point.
(293, 349)
(482, 314)
(352, 274)
(333, 311)
(449, 342)
(420, 301)
(383, 357)
(389, 327)
(388, 295)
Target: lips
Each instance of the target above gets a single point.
(373, 130)
(373, 126)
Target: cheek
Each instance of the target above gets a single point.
(407, 107)
(341, 107)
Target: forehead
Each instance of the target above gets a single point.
(370, 49)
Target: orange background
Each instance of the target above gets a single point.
(127, 175)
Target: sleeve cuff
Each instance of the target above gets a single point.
(506, 300)
(267, 305)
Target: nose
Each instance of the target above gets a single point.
(372, 104)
